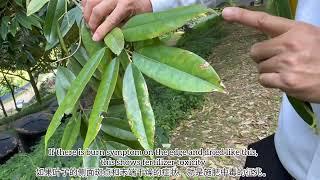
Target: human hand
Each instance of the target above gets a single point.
(103, 15)
(290, 60)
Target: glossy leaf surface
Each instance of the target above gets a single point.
(90, 45)
(115, 41)
(35, 5)
(92, 161)
(151, 25)
(139, 111)
(178, 69)
(71, 132)
(74, 93)
(117, 128)
(64, 79)
(101, 103)
(55, 11)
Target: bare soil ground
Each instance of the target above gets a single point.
(245, 115)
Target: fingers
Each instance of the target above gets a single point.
(271, 80)
(87, 9)
(264, 22)
(267, 49)
(272, 65)
(99, 12)
(83, 3)
(114, 19)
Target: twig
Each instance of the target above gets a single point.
(15, 75)
(78, 47)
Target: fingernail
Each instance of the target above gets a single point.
(228, 12)
(95, 37)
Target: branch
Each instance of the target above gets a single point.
(15, 75)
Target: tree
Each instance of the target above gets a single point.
(3, 108)
(22, 43)
(24, 50)
(11, 87)
(3, 91)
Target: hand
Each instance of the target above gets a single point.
(103, 15)
(290, 61)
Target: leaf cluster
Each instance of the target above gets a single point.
(121, 116)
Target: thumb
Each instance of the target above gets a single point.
(271, 25)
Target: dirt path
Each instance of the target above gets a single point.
(248, 113)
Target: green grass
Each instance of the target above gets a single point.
(170, 108)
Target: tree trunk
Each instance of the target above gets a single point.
(12, 92)
(3, 109)
(34, 86)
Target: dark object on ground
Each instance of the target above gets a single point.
(267, 159)
(53, 106)
(51, 110)
(8, 147)
(54, 103)
(31, 128)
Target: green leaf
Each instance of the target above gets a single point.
(71, 131)
(64, 79)
(116, 101)
(76, 67)
(118, 111)
(4, 27)
(19, 2)
(27, 22)
(178, 69)
(74, 93)
(56, 9)
(151, 25)
(139, 111)
(35, 5)
(115, 41)
(69, 19)
(82, 57)
(90, 45)
(118, 90)
(132, 144)
(33, 21)
(112, 145)
(118, 128)
(22, 19)
(146, 43)
(101, 103)
(92, 161)
(14, 27)
(124, 59)
(78, 15)
(304, 110)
